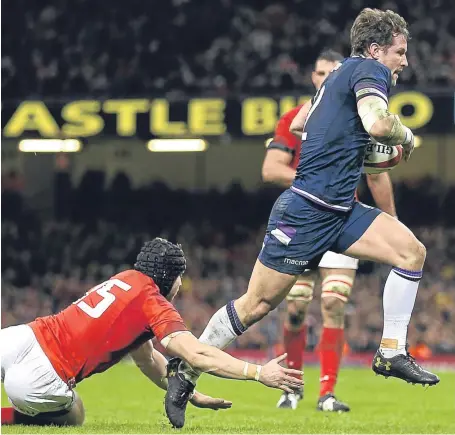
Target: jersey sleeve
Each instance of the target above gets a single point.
(162, 316)
(371, 78)
(283, 139)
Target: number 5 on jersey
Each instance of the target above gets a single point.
(108, 298)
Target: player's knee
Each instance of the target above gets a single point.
(413, 256)
(420, 252)
(332, 312)
(332, 306)
(76, 415)
(73, 416)
(296, 319)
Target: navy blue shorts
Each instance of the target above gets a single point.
(300, 232)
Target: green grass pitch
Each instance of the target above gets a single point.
(122, 400)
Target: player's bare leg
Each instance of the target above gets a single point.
(266, 290)
(73, 416)
(336, 288)
(295, 331)
(389, 241)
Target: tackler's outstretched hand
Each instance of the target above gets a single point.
(200, 400)
(274, 375)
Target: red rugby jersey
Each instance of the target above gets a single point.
(112, 319)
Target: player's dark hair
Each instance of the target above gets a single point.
(162, 261)
(376, 26)
(330, 56)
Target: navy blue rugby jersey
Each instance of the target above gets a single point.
(334, 139)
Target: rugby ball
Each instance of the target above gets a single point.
(381, 158)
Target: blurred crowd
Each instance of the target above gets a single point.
(47, 263)
(90, 47)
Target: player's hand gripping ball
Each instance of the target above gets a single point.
(381, 158)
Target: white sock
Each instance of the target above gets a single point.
(219, 332)
(398, 301)
(223, 328)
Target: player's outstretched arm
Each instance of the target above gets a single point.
(214, 361)
(153, 364)
(382, 190)
(298, 123)
(383, 126)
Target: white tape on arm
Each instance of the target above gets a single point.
(166, 340)
(373, 109)
(258, 372)
(245, 370)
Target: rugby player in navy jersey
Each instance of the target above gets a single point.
(318, 213)
(337, 271)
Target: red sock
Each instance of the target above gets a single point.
(7, 415)
(294, 345)
(330, 352)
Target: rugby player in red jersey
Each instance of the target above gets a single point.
(337, 271)
(43, 361)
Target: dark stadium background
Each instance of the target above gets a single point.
(114, 75)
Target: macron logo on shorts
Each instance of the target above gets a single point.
(296, 262)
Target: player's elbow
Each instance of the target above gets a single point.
(296, 129)
(268, 173)
(199, 358)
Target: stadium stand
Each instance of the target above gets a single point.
(193, 46)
